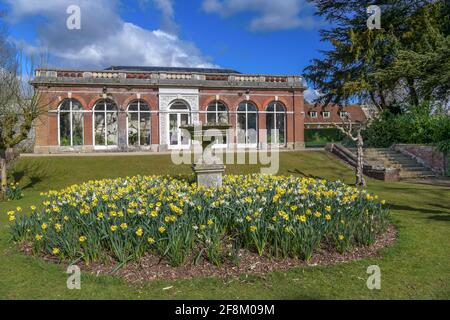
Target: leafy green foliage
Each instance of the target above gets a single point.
(418, 126)
(126, 218)
(320, 137)
(14, 192)
(401, 64)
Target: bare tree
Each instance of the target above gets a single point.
(20, 103)
(354, 134)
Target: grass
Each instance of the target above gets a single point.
(416, 267)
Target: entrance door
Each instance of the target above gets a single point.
(179, 116)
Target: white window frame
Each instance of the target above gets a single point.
(246, 112)
(105, 112)
(71, 112)
(216, 113)
(326, 114)
(178, 112)
(139, 122)
(276, 115)
(313, 114)
(343, 114)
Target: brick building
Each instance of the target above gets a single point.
(142, 108)
(321, 117)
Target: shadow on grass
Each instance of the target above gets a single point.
(445, 217)
(421, 210)
(301, 173)
(29, 174)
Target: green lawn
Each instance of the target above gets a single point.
(416, 267)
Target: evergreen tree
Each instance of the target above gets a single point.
(401, 64)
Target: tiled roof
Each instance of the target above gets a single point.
(356, 113)
(171, 69)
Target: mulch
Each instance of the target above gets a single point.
(152, 267)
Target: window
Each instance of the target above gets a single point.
(326, 114)
(343, 114)
(139, 124)
(105, 123)
(71, 123)
(313, 114)
(217, 112)
(247, 124)
(179, 115)
(276, 123)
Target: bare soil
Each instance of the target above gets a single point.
(152, 267)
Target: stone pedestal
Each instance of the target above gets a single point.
(209, 175)
(207, 168)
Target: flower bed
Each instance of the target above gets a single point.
(127, 218)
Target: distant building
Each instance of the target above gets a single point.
(318, 116)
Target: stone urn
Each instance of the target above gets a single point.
(208, 168)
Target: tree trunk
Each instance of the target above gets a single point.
(4, 180)
(360, 181)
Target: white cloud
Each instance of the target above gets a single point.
(311, 94)
(271, 15)
(105, 38)
(168, 23)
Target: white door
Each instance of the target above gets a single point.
(178, 139)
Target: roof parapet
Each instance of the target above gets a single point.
(79, 77)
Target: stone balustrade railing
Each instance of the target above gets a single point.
(238, 78)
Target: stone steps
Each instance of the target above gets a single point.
(409, 168)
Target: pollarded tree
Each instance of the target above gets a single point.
(20, 103)
(354, 133)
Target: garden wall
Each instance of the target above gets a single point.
(425, 155)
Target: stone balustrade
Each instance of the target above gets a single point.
(239, 79)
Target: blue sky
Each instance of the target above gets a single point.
(251, 36)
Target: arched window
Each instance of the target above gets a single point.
(139, 124)
(179, 115)
(71, 123)
(247, 124)
(217, 112)
(276, 123)
(105, 123)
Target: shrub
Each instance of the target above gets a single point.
(418, 126)
(128, 217)
(320, 137)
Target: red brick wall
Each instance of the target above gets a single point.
(293, 102)
(47, 126)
